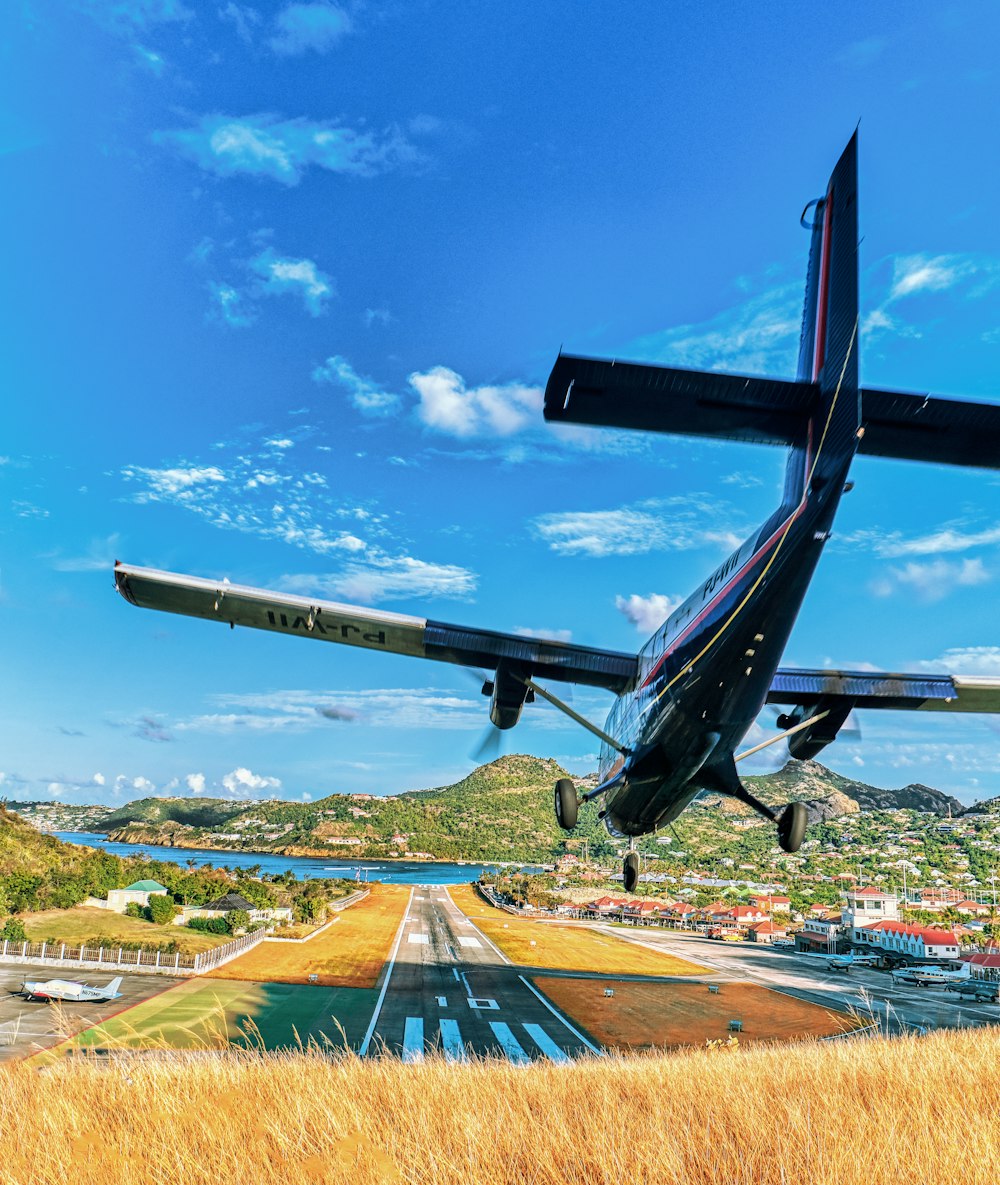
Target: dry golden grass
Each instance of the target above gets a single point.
(84, 922)
(350, 954)
(640, 1015)
(564, 948)
(848, 1113)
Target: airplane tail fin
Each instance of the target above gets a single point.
(114, 985)
(828, 346)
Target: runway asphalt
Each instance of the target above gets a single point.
(450, 989)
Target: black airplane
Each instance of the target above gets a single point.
(688, 698)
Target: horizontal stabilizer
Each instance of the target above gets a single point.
(373, 629)
(868, 689)
(631, 395)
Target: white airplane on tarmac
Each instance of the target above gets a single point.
(846, 962)
(928, 976)
(70, 991)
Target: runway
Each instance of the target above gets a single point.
(448, 988)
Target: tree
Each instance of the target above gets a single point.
(161, 909)
(134, 910)
(237, 919)
(13, 930)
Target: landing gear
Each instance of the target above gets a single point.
(792, 826)
(792, 821)
(630, 871)
(566, 804)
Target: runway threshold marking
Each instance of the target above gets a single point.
(451, 1041)
(545, 1043)
(385, 983)
(417, 939)
(562, 1019)
(463, 940)
(509, 1043)
(413, 1039)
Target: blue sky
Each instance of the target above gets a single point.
(284, 282)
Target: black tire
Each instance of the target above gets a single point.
(630, 871)
(792, 826)
(566, 804)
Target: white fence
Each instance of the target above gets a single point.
(118, 958)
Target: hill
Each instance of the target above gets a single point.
(501, 812)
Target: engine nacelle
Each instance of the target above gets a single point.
(804, 745)
(508, 693)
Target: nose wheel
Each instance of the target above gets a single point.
(630, 871)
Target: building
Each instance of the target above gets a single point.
(229, 901)
(822, 935)
(984, 965)
(137, 893)
(862, 907)
(918, 942)
(767, 932)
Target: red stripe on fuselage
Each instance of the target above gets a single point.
(819, 339)
(742, 572)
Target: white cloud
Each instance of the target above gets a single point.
(230, 306)
(759, 336)
(179, 484)
(647, 613)
(671, 524)
(545, 635)
(921, 273)
(195, 783)
(965, 660)
(365, 394)
(98, 557)
(931, 581)
(299, 277)
(384, 577)
(129, 15)
(242, 781)
(98, 779)
(447, 405)
(282, 149)
(302, 27)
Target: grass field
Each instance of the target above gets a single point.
(640, 1015)
(84, 921)
(349, 954)
(199, 1014)
(564, 948)
(867, 1112)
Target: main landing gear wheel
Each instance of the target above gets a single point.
(630, 870)
(566, 804)
(792, 826)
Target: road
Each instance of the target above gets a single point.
(450, 989)
(901, 1007)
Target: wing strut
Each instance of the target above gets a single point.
(567, 710)
(781, 735)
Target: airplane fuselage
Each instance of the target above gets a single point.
(705, 674)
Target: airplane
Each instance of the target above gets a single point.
(846, 962)
(929, 976)
(70, 991)
(687, 699)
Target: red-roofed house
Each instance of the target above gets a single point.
(978, 908)
(922, 942)
(772, 904)
(608, 904)
(766, 931)
(984, 964)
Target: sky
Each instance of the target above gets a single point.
(283, 284)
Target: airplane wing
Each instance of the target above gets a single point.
(874, 689)
(373, 629)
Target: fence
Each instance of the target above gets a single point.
(117, 958)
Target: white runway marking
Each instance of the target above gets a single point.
(562, 1019)
(484, 1003)
(451, 1041)
(510, 1044)
(417, 939)
(454, 972)
(546, 1044)
(385, 982)
(413, 1039)
(463, 941)
(442, 1001)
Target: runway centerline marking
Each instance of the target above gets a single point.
(545, 1043)
(442, 1001)
(509, 1043)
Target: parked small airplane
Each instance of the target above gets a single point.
(987, 990)
(70, 991)
(688, 698)
(930, 976)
